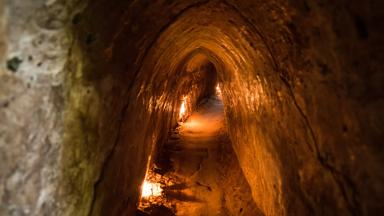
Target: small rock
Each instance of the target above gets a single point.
(13, 64)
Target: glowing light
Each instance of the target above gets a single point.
(218, 90)
(183, 108)
(150, 189)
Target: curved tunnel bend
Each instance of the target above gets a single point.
(300, 82)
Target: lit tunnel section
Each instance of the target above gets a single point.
(196, 169)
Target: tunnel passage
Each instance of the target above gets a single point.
(91, 91)
(198, 172)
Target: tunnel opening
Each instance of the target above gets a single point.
(196, 81)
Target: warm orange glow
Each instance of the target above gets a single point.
(183, 108)
(218, 90)
(153, 190)
(150, 189)
(191, 123)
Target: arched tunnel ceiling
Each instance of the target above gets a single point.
(301, 85)
(245, 68)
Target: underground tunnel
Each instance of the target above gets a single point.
(191, 107)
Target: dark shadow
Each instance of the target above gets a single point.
(156, 210)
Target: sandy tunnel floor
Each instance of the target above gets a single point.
(206, 177)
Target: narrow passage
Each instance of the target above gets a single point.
(205, 174)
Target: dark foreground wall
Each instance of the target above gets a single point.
(88, 90)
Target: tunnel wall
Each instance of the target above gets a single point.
(35, 39)
(309, 148)
(301, 82)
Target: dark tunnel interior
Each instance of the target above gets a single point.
(191, 107)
